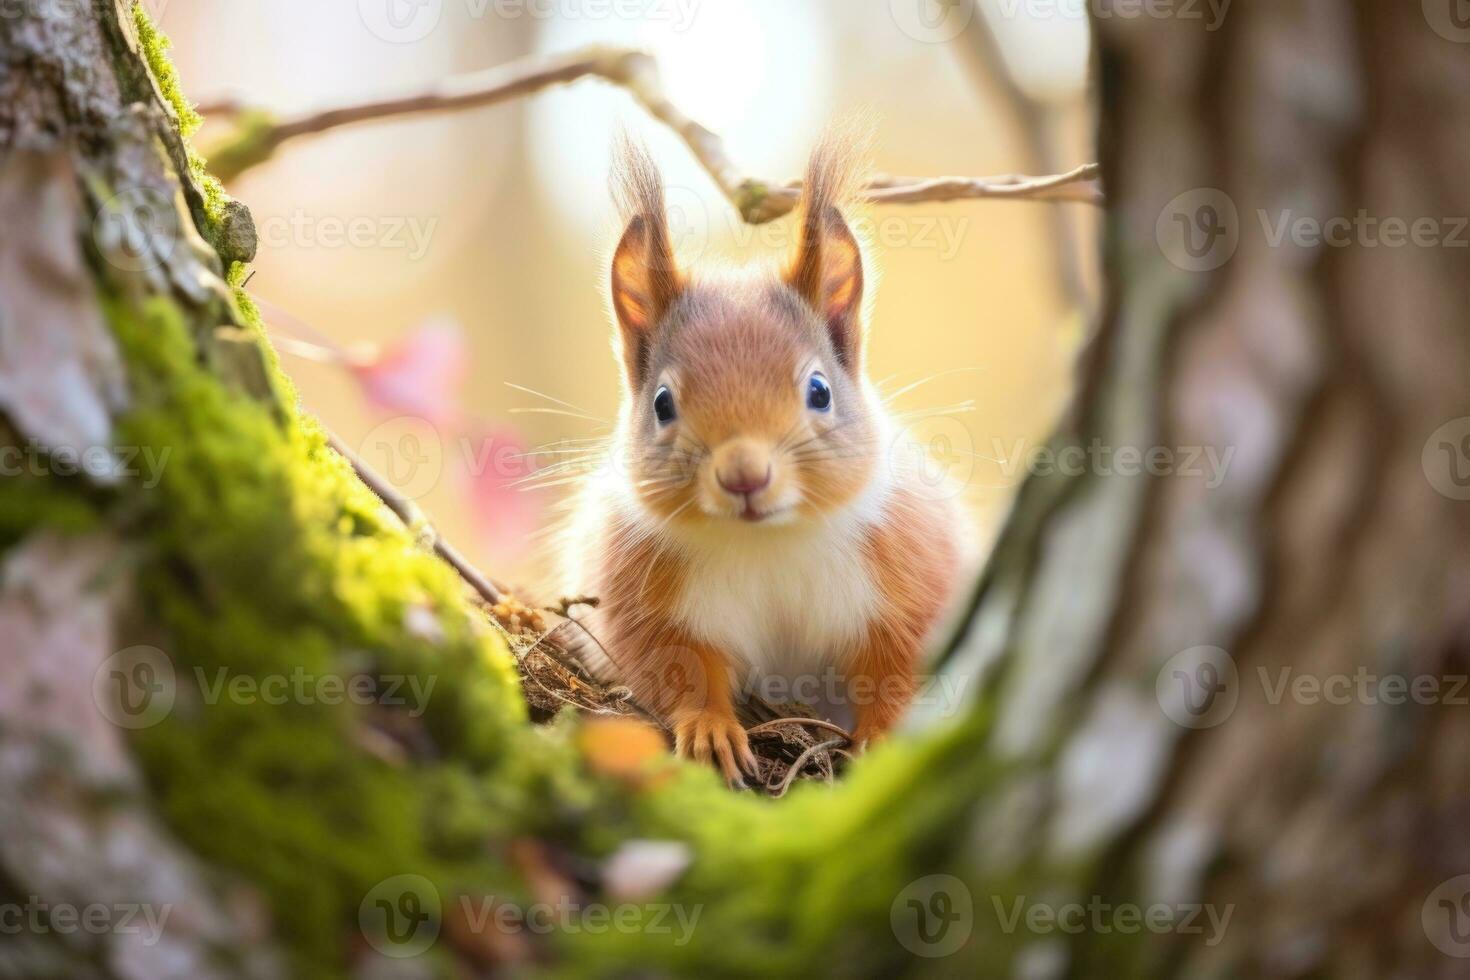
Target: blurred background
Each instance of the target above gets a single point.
(465, 252)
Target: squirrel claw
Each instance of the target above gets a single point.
(718, 739)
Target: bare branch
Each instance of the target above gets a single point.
(413, 518)
(1034, 122)
(258, 136)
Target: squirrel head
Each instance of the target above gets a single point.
(744, 396)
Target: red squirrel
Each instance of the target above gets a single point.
(753, 518)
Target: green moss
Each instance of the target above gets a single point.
(252, 142)
(154, 44)
(258, 555)
(267, 559)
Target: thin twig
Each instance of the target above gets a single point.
(413, 518)
(814, 722)
(800, 762)
(636, 72)
(1035, 122)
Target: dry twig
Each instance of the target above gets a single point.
(636, 72)
(413, 518)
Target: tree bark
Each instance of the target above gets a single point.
(1332, 547)
(1132, 743)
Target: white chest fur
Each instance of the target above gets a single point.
(780, 599)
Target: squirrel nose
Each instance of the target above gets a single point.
(743, 466)
(745, 482)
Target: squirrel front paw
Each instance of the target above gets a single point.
(707, 736)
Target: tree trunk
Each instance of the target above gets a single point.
(1146, 739)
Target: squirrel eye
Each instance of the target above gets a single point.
(663, 405)
(818, 394)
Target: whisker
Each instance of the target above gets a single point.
(557, 411)
(542, 394)
(923, 381)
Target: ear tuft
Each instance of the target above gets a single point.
(827, 269)
(645, 279)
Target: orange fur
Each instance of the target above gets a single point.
(915, 557)
(751, 522)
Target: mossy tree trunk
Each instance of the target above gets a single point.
(1129, 746)
(1145, 626)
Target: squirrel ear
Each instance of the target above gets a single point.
(828, 273)
(644, 284)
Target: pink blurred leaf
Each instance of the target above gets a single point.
(498, 466)
(421, 373)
